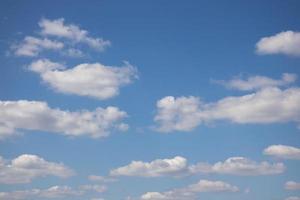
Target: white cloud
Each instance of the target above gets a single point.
(96, 188)
(38, 116)
(291, 185)
(293, 198)
(191, 191)
(60, 29)
(287, 43)
(32, 46)
(49, 193)
(258, 82)
(239, 166)
(93, 80)
(25, 168)
(101, 179)
(160, 167)
(178, 166)
(283, 151)
(269, 105)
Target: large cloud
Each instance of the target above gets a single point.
(287, 43)
(93, 80)
(268, 105)
(25, 168)
(258, 82)
(160, 167)
(58, 28)
(178, 166)
(239, 166)
(38, 116)
(191, 191)
(32, 46)
(283, 151)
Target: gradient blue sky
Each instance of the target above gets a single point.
(178, 49)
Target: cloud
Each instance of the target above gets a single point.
(32, 46)
(59, 29)
(293, 198)
(96, 188)
(26, 167)
(291, 185)
(93, 80)
(283, 151)
(49, 193)
(239, 166)
(102, 179)
(178, 166)
(156, 168)
(38, 116)
(72, 52)
(258, 82)
(287, 43)
(268, 105)
(191, 191)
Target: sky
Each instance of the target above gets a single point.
(149, 100)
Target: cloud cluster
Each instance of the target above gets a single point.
(268, 105)
(53, 192)
(178, 166)
(25, 168)
(283, 152)
(258, 82)
(191, 191)
(287, 42)
(38, 116)
(92, 80)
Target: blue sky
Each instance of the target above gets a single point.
(203, 94)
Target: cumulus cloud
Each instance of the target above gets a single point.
(268, 105)
(258, 82)
(160, 167)
(178, 166)
(93, 80)
(191, 191)
(283, 151)
(26, 167)
(293, 198)
(292, 185)
(239, 166)
(102, 179)
(32, 46)
(58, 28)
(38, 116)
(287, 42)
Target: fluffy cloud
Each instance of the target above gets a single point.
(32, 46)
(293, 198)
(25, 168)
(58, 28)
(239, 166)
(258, 82)
(160, 167)
(178, 166)
(93, 80)
(190, 192)
(291, 185)
(283, 151)
(38, 116)
(287, 43)
(268, 105)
